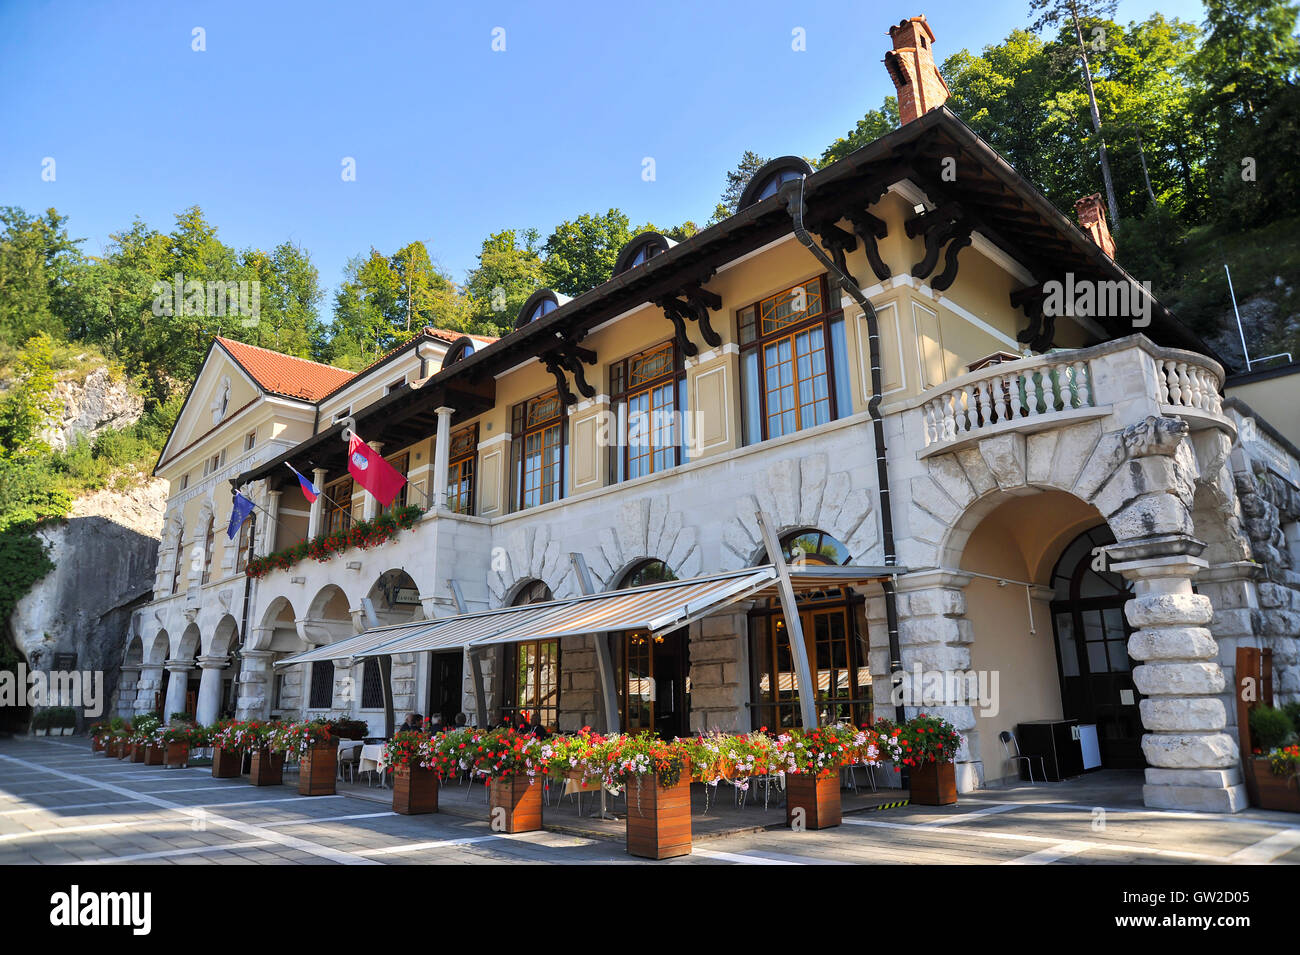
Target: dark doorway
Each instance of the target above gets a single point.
(654, 694)
(1092, 658)
(445, 678)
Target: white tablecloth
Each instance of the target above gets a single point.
(372, 758)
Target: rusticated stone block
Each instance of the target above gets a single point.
(1173, 643)
(1190, 750)
(1162, 714)
(1155, 610)
(1178, 679)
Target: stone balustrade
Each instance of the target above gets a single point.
(1032, 394)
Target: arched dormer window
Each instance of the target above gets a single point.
(768, 180)
(460, 348)
(540, 303)
(642, 249)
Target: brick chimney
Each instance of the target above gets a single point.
(911, 66)
(1092, 220)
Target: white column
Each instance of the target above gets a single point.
(272, 528)
(316, 520)
(208, 707)
(255, 677)
(441, 453)
(177, 685)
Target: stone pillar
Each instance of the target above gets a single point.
(146, 686)
(208, 708)
(441, 457)
(272, 528)
(255, 677)
(1192, 762)
(177, 685)
(719, 674)
(934, 638)
(126, 691)
(1232, 592)
(316, 519)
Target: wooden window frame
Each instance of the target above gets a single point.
(622, 393)
(336, 509)
(462, 470)
(521, 432)
(401, 463)
(513, 706)
(761, 341)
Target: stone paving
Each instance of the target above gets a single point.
(59, 804)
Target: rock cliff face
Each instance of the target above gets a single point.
(102, 572)
(92, 406)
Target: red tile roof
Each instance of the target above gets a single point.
(441, 334)
(285, 374)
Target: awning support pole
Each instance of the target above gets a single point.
(604, 660)
(793, 627)
(475, 661)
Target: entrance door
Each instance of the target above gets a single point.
(654, 693)
(1092, 634)
(445, 676)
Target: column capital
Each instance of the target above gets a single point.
(130, 668)
(1228, 573)
(178, 666)
(1165, 545)
(1160, 568)
(256, 654)
(444, 411)
(212, 663)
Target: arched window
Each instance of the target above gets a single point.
(833, 639)
(768, 180)
(647, 572)
(1092, 635)
(539, 304)
(459, 349)
(532, 690)
(640, 250)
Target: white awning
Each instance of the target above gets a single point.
(353, 646)
(658, 608)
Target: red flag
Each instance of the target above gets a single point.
(372, 472)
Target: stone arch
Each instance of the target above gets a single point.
(329, 617)
(396, 597)
(761, 556)
(800, 493)
(157, 648)
(224, 638)
(517, 590)
(619, 578)
(133, 656)
(188, 647)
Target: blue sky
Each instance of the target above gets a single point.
(452, 140)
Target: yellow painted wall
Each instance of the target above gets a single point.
(1277, 400)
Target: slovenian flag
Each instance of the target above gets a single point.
(309, 491)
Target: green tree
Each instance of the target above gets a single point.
(876, 123)
(750, 163)
(508, 272)
(37, 261)
(30, 401)
(581, 252)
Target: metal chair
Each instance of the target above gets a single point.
(1011, 747)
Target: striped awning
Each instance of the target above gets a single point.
(355, 646)
(658, 608)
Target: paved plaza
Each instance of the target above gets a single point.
(59, 804)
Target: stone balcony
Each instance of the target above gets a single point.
(1131, 377)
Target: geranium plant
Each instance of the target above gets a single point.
(1285, 760)
(298, 737)
(508, 753)
(243, 736)
(362, 534)
(928, 739)
(407, 750)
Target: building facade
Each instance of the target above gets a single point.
(1064, 515)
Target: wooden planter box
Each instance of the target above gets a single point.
(112, 748)
(153, 756)
(515, 804)
(1274, 792)
(415, 791)
(96, 745)
(818, 797)
(137, 752)
(934, 784)
(267, 768)
(659, 818)
(226, 764)
(176, 755)
(124, 750)
(320, 767)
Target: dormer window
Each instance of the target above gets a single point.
(459, 349)
(641, 250)
(540, 304)
(767, 181)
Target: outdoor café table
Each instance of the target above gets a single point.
(372, 760)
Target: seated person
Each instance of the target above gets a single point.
(414, 724)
